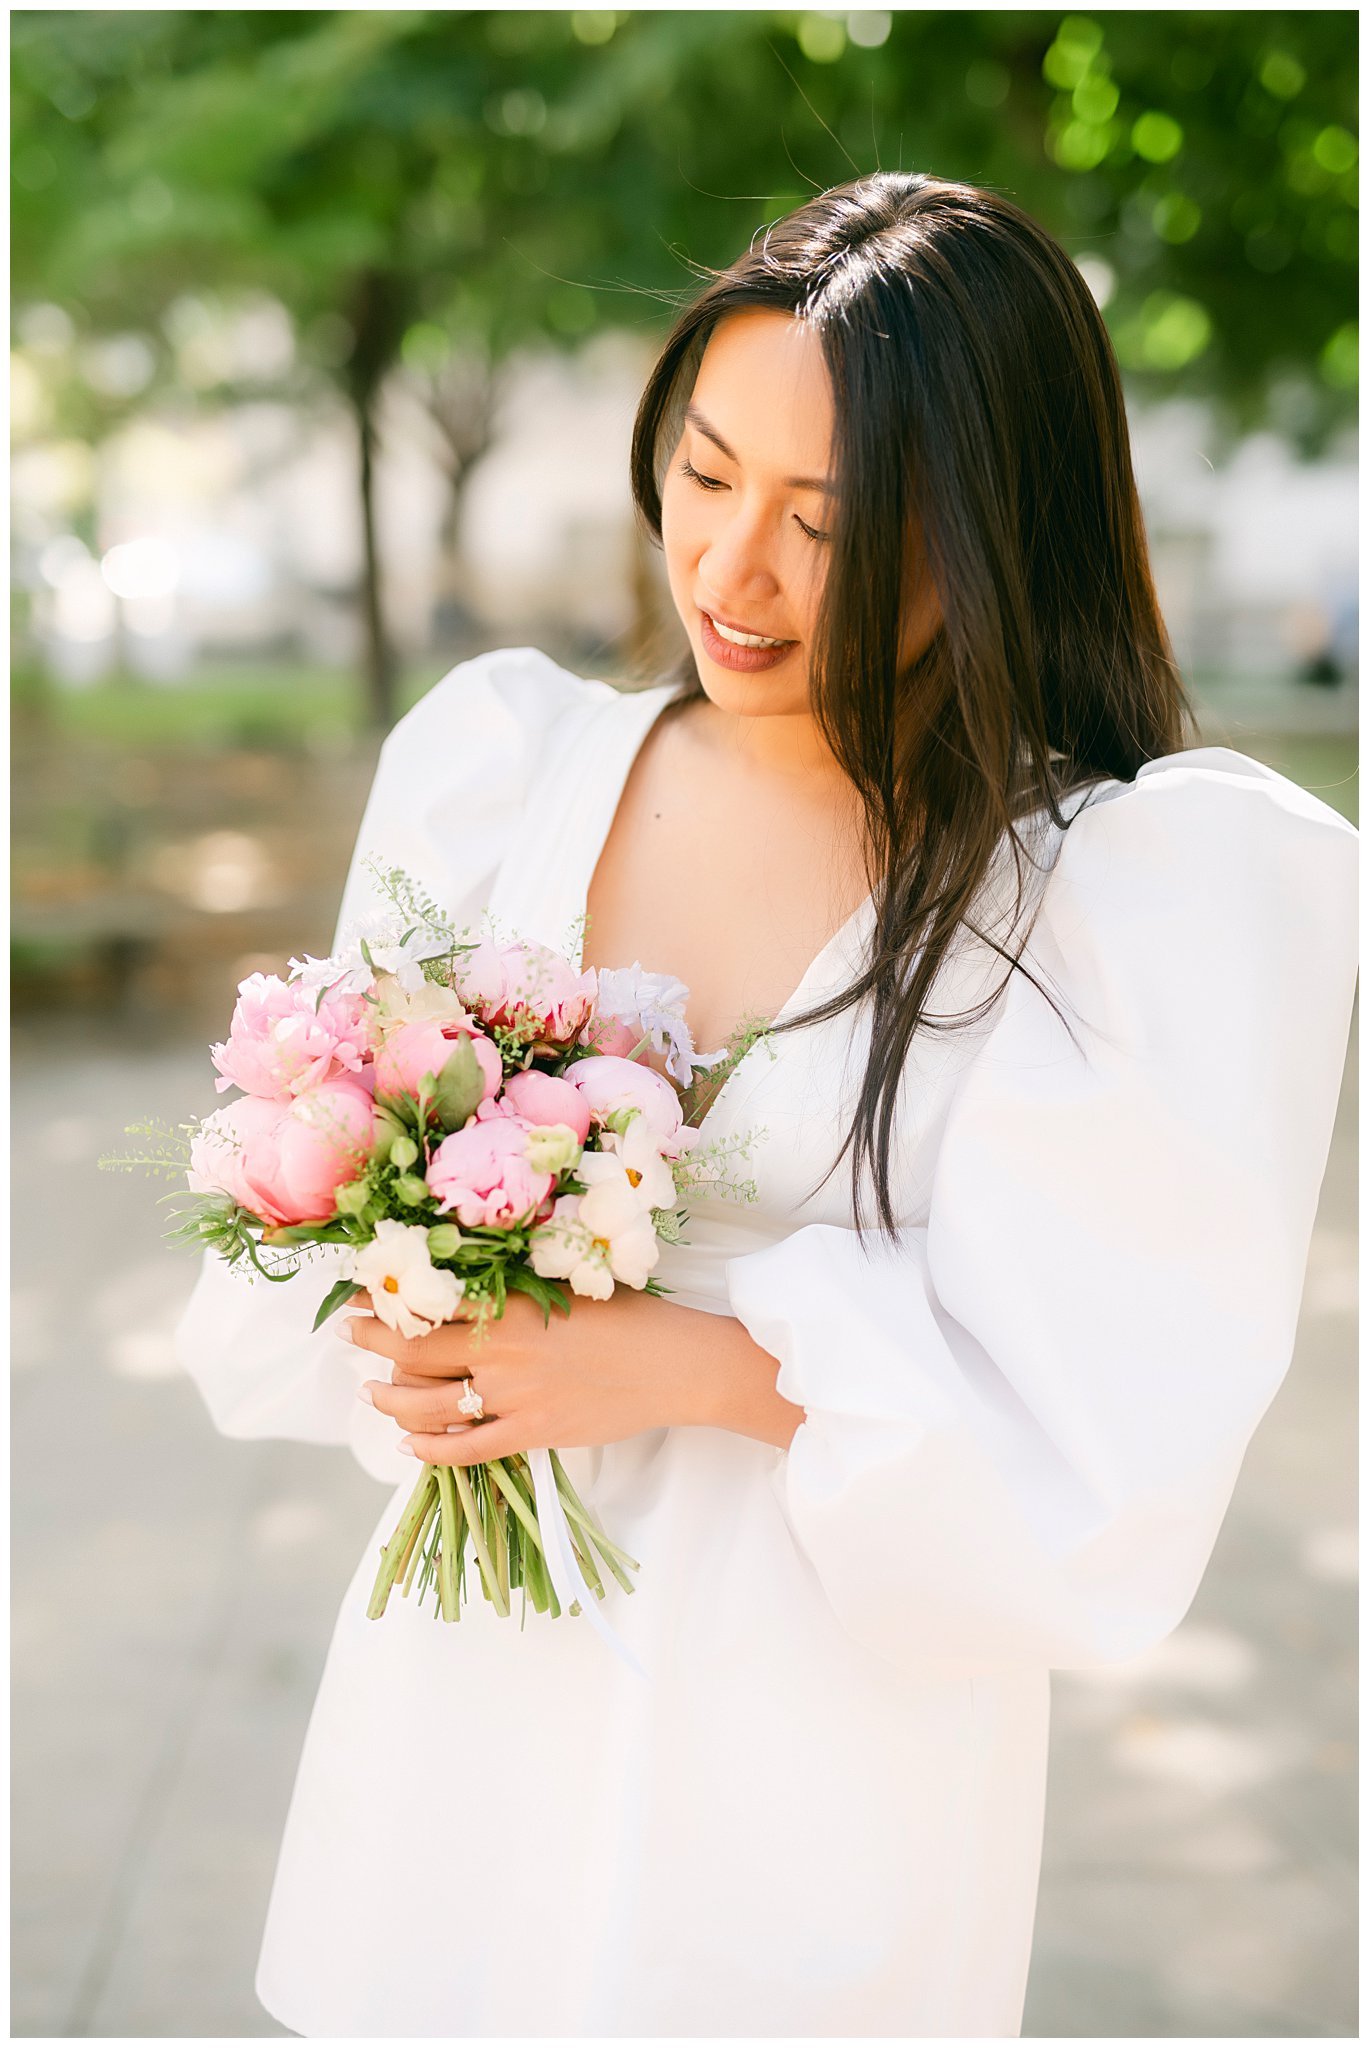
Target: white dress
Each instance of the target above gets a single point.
(821, 1814)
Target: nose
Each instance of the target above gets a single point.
(737, 565)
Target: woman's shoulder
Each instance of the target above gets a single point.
(1199, 829)
(507, 704)
(1207, 873)
(458, 771)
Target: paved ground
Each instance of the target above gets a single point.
(174, 1593)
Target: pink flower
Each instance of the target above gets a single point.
(324, 1139)
(406, 1055)
(285, 1160)
(482, 1173)
(527, 985)
(234, 1153)
(280, 1043)
(546, 1099)
(608, 1035)
(609, 1084)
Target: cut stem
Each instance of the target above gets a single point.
(396, 1551)
(482, 1549)
(450, 1540)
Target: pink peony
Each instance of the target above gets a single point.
(279, 1042)
(285, 1160)
(406, 1055)
(609, 1035)
(234, 1152)
(609, 1084)
(482, 1173)
(527, 985)
(546, 1099)
(324, 1139)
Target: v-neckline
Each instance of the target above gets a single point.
(633, 739)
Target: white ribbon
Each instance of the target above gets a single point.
(562, 1563)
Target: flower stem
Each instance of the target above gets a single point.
(497, 1535)
(396, 1551)
(613, 1556)
(482, 1551)
(451, 1542)
(504, 1480)
(416, 1548)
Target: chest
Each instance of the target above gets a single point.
(714, 877)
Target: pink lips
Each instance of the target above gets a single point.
(747, 659)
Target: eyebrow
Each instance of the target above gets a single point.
(797, 483)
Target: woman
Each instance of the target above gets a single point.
(1073, 999)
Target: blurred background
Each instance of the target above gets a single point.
(328, 332)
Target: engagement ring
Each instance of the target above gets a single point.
(471, 1403)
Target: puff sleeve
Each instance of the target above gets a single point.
(1023, 1423)
(452, 778)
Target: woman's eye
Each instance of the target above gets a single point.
(713, 483)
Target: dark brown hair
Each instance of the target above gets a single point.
(979, 412)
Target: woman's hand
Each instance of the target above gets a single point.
(608, 1370)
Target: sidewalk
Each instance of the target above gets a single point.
(174, 1593)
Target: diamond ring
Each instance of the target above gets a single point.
(471, 1403)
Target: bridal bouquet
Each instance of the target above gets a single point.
(463, 1117)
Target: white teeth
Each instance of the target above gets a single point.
(743, 639)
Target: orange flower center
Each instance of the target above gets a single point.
(391, 1284)
(634, 1176)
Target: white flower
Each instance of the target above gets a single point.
(434, 1002)
(343, 973)
(637, 1153)
(409, 1292)
(392, 953)
(653, 1006)
(350, 972)
(594, 1239)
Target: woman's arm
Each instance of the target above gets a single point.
(608, 1371)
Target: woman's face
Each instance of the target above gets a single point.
(742, 534)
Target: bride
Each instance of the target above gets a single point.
(1060, 1003)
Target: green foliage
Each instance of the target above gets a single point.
(338, 1296)
(459, 1088)
(546, 1293)
(417, 908)
(423, 186)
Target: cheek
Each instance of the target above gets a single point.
(683, 528)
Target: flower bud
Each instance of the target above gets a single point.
(352, 1198)
(444, 1239)
(411, 1188)
(403, 1152)
(551, 1148)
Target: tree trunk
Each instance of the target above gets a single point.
(379, 661)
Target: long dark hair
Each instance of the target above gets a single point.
(978, 410)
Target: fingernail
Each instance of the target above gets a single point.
(344, 1330)
(365, 1394)
(406, 1445)
(458, 1428)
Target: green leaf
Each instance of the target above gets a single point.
(459, 1088)
(337, 1296)
(547, 1295)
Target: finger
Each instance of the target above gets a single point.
(424, 1357)
(423, 1406)
(475, 1446)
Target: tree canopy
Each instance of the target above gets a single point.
(419, 187)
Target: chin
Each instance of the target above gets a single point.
(754, 696)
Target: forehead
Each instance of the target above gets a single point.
(764, 385)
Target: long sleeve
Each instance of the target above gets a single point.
(450, 785)
(1024, 1422)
